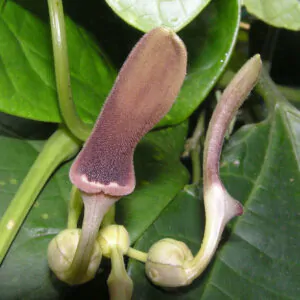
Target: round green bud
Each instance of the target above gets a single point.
(61, 252)
(113, 236)
(165, 263)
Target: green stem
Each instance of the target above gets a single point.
(119, 283)
(62, 73)
(193, 148)
(196, 163)
(75, 208)
(109, 217)
(137, 255)
(60, 147)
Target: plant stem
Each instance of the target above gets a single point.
(75, 208)
(119, 283)
(196, 148)
(109, 217)
(220, 207)
(193, 148)
(196, 163)
(137, 254)
(95, 207)
(60, 147)
(62, 73)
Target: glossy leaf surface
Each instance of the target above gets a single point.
(27, 80)
(258, 256)
(278, 13)
(146, 15)
(209, 40)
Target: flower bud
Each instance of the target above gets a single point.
(165, 263)
(61, 252)
(112, 236)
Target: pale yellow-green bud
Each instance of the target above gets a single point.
(165, 263)
(113, 236)
(61, 252)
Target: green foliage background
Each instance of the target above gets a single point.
(259, 255)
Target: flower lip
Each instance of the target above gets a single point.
(144, 91)
(112, 188)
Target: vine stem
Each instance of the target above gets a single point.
(109, 217)
(59, 147)
(62, 73)
(137, 254)
(75, 208)
(193, 148)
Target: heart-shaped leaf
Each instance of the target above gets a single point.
(209, 40)
(278, 13)
(27, 81)
(27, 77)
(146, 15)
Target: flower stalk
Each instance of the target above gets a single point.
(114, 242)
(75, 208)
(95, 207)
(119, 283)
(220, 207)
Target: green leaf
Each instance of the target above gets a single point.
(146, 15)
(259, 255)
(209, 40)
(261, 166)
(27, 80)
(24, 272)
(28, 51)
(278, 13)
